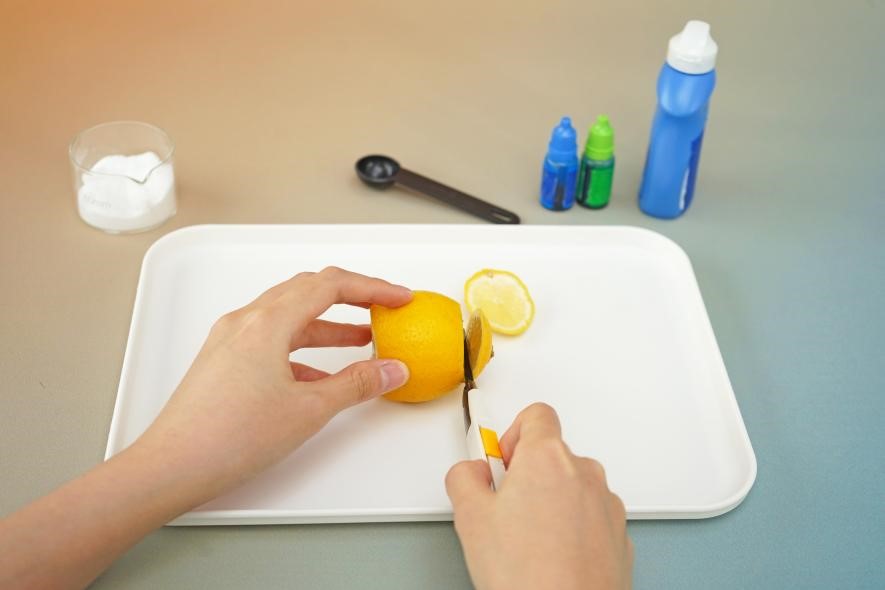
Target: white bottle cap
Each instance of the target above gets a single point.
(693, 51)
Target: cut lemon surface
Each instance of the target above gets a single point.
(479, 342)
(503, 298)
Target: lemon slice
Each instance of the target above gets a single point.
(479, 341)
(504, 299)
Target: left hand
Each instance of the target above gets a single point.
(243, 405)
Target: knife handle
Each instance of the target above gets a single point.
(482, 442)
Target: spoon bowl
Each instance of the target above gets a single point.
(377, 171)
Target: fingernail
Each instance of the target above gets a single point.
(393, 374)
(405, 289)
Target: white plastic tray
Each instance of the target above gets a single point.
(621, 346)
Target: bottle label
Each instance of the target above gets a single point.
(595, 182)
(558, 187)
(600, 186)
(686, 194)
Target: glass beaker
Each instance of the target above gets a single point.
(123, 176)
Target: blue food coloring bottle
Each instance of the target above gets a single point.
(560, 173)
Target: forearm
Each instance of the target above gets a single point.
(241, 407)
(67, 538)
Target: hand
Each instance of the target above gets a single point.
(243, 405)
(552, 524)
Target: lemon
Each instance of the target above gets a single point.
(504, 299)
(479, 341)
(427, 334)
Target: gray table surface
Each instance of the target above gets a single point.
(270, 105)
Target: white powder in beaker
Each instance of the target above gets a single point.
(127, 193)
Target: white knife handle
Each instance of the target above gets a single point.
(482, 442)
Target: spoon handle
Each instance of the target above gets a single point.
(455, 198)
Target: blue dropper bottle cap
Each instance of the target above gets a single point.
(563, 145)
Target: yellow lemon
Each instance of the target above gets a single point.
(503, 297)
(427, 334)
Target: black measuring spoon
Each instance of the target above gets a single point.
(382, 172)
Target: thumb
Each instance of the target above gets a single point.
(361, 382)
(468, 481)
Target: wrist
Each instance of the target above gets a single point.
(172, 476)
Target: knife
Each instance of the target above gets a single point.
(482, 441)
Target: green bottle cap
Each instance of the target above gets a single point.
(600, 140)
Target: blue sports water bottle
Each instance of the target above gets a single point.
(685, 85)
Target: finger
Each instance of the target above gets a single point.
(617, 509)
(360, 382)
(311, 296)
(536, 422)
(593, 471)
(306, 373)
(469, 482)
(323, 333)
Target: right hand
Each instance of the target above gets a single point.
(552, 524)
